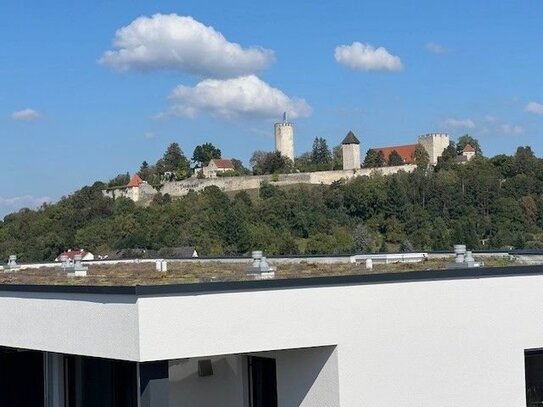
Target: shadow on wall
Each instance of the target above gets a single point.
(307, 377)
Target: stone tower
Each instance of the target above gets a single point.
(350, 147)
(284, 138)
(434, 144)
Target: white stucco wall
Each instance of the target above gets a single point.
(435, 343)
(440, 343)
(99, 325)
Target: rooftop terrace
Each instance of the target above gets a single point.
(196, 272)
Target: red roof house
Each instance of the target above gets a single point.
(85, 255)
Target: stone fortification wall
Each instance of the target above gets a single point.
(181, 188)
(144, 193)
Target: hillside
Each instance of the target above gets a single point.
(490, 203)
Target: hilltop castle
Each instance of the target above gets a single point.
(140, 191)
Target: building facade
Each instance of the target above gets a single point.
(466, 338)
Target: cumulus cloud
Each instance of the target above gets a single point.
(246, 96)
(172, 42)
(8, 205)
(534, 107)
(512, 129)
(434, 48)
(365, 57)
(26, 115)
(460, 123)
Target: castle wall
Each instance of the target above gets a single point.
(145, 192)
(181, 188)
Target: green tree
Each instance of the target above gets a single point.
(363, 242)
(421, 157)
(174, 161)
(448, 157)
(119, 181)
(204, 153)
(337, 157)
(271, 163)
(395, 159)
(321, 156)
(374, 158)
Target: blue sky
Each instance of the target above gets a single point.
(81, 101)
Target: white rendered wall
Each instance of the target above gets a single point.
(351, 156)
(99, 325)
(284, 139)
(307, 377)
(441, 343)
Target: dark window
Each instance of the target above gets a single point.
(21, 378)
(263, 382)
(100, 382)
(533, 364)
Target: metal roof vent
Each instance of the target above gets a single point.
(260, 267)
(72, 268)
(12, 265)
(463, 258)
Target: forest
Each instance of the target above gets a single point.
(485, 203)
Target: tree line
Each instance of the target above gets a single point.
(485, 203)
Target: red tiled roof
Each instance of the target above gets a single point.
(72, 253)
(407, 152)
(135, 181)
(468, 149)
(220, 163)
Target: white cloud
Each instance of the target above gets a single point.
(246, 96)
(149, 135)
(512, 129)
(365, 57)
(460, 123)
(183, 44)
(435, 48)
(534, 107)
(8, 205)
(26, 115)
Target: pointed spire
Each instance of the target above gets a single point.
(350, 139)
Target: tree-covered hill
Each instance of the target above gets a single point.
(490, 203)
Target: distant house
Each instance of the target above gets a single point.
(467, 154)
(407, 152)
(217, 165)
(85, 255)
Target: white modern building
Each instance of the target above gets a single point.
(467, 338)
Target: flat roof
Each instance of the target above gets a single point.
(326, 275)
